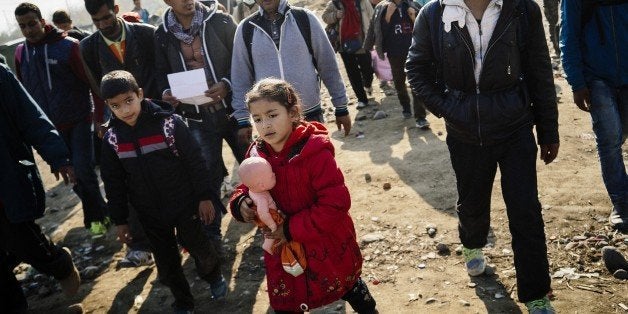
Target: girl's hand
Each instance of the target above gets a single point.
(247, 211)
(206, 211)
(277, 235)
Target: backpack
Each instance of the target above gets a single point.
(589, 10)
(303, 22)
(167, 127)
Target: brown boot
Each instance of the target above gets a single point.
(71, 283)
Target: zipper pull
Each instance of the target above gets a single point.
(508, 70)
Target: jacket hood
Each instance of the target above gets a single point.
(283, 4)
(307, 139)
(53, 35)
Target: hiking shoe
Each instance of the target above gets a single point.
(361, 105)
(71, 283)
(422, 124)
(474, 260)
(613, 259)
(540, 306)
(98, 229)
(369, 90)
(407, 115)
(618, 220)
(136, 258)
(219, 289)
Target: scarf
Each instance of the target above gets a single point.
(350, 26)
(177, 29)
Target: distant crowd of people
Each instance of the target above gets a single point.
(482, 65)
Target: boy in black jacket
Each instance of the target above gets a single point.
(150, 159)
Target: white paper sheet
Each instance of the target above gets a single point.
(189, 86)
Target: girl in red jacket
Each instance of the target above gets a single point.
(311, 193)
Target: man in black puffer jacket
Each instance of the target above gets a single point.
(493, 82)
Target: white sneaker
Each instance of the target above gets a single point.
(361, 105)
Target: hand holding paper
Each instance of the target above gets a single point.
(189, 87)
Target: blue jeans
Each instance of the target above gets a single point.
(609, 113)
(208, 134)
(79, 140)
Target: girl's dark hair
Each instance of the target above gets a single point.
(272, 89)
(92, 6)
(117, 82)
(25, 7)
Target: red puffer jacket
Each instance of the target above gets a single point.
(310, 190)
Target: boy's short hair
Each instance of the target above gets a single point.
(60, 17)
(117, 82)
(92, 6)
(25, 7)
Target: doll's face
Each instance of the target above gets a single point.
(257, 174)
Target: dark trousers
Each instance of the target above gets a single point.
(139, 241)
(359, 298)
(398, 67)
(475, 167)
(79, 140)
(163, 241)
(360, 72)
(24, 242)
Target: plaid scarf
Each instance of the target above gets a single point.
(177, 29)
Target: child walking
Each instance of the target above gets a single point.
(311, 193)
(150, 159)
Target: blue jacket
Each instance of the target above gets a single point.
(24, 125)
(52, 72)
(585, 55)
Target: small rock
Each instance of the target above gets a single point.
(387, 186)
(499, 295)
(360, 134)
(367, 177)
(372, 237)
(459, 249)
(464, 303)
(439, 133)
(431, 255)
(361, 118)
(578, 238)
(472, 285)
(431, 231)
(412, 297)
(430, 300)
(570, 246)
(506, 251)
(443, 249)
(375, 219)
(137, 303)
(623, 306)
(375, 282)
(89, 272)
(421, 266)
(380, 115)
(547, 207)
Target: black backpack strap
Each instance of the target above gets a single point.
(303, 22)
(247, 36)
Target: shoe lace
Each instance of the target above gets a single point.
(540, 304)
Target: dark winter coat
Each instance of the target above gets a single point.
(310, 190)
(24, 125)
(217, 41)
(52, 72)
(516, 86)
(139, 57)
(145, 171)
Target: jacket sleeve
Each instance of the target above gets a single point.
(328, 65)
(76, 63)
(31, 122)
(236, 199)
(90, 63)
(570, 45)
(241, 78)
(369, 38)
(422, 64)
(113, 176)
(329, 14)
(539, 78)
(228, 36)
(162, 65)
(332, 201)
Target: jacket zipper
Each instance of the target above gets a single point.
(477, 88)
(615, 42)
(276, 49)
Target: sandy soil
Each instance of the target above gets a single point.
(405, 271)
